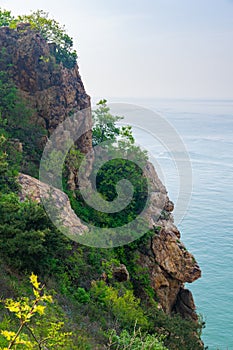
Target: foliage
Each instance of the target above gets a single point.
(54, 34)
(3, 162)
(128, 166)
(5, 18)
(7, 96)
(73, 160)
(180, 333)
(7, 173)
(27, 237)
(104, 124)
(122, 303)
(84, 305)
(105, 128)
(28, 334)
(16, 124)
(50, 29)
(108, 266)
(82, 296)
(108, 306)
(119, 302)
(135, 341)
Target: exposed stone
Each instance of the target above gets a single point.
(23, 26)
(104, 277)
(185, 304)
(158, 196)
(120, 273)
(173, 257)
(169, 206)
(33, 189)
(53, 91)
(165, 257)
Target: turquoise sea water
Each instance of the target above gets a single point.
(206, 128)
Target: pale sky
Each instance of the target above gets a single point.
(148, 48)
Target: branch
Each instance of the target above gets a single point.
(23, 322)
(33, 335)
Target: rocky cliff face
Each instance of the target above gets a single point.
(34, 189)
(169, 263)
(55, 92)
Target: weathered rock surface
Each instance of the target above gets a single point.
(53, 91)
(35, 189)
(120, 273)
(185, 304)
(169, 263)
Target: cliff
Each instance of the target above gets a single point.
(51, 89)
(169, 263)
(54, 92)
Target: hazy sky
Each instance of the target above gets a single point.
(148, 48)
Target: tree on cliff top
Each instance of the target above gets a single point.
(5, 18)
(105, 126)
(50, 29)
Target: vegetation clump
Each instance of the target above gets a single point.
(50, 30)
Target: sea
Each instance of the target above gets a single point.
(206, 129)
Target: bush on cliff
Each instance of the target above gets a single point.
(16, 124)
(5, 18)
(51, 31)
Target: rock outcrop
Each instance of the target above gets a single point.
(169, 263)
(53, 91)
(120, 273)
(34, 189)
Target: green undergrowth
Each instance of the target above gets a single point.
(23, 137)
(89, 302)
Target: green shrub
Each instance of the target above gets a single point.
(7, 172)
(180, 333)
(55, 34)
(28, 240)
(16, 124)
(82, 296)
(135, 341)
(108, 175)
(121, 303)
(51, 31)
(37, 324)
(5, 18)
